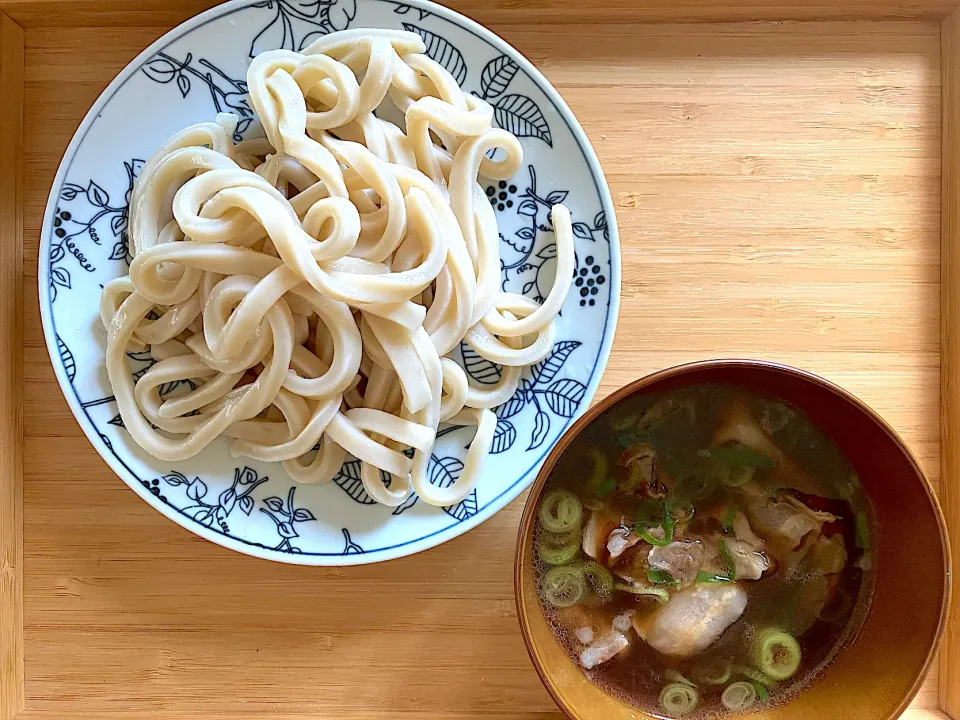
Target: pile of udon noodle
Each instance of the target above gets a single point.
(305, 290)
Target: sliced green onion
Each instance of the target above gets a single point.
(558, 549)
(661, 577)
(600, 578)
(727, 559)
(739, 696)
(624, 423)
(706, 577)
(667, 525)
(754, 675)
(560, 512)
(600, 469)
(737, 455)
(679, 699)
(739, 476)
(727, 522)
(762, 693)
(643, 590)
(606, 487)
(722, 676)
(564, 586)
(777, 653)
(674, 676)
(863, 530)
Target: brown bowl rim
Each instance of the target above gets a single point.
(564, 441)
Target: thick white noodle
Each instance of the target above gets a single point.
(304, 291)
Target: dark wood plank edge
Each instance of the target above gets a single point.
(11, 374)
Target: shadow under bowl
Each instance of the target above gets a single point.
(872, 678)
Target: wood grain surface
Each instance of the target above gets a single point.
(11, 357)
(777, 187)
(167, 13)
(950, 340)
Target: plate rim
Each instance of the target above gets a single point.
(412, 547)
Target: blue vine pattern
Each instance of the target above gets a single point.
(71, 231)
(228, 94)
(297, 23)
(293, 25)
(349, 546)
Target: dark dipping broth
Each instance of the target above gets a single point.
(703, 552)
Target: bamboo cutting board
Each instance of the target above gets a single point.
(778, 191)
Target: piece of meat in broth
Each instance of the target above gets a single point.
(619, 541)
(682, 560)
(779, 521)
(694, 618)
(748, 562)
(596, 533)
(604, 648)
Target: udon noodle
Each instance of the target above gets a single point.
(310, 287)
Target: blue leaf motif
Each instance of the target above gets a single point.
(406, 505)
(66, 357)
(96, 195)
(478, 367)
(183, 84)
(303, 515)
(201, 513)
(526, 233)
(512, 406)
(287, 530)
(522, 116)
(442, 51)
(564, 396)
(118, 224)
(496, 75)
(503, 437)
(557, 196)
(541, 428)
(70, 191)
(197, 489)
(274, 503)
(277, 35)
(582, 231)
(227, 500)
(247, 476)
(174, 478)
(246, 504)
(464, 509)
(547, 252)
(160, 70)
(444, 472)
(60, 277)
(348, 479)
(600, 221)
(547, 369)
(528, 207)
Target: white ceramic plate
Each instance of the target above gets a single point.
(189, 75)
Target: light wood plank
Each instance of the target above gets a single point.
(777, 188)
(950, 345)
(11, 358)
(73, 13)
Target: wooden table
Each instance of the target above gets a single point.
(778, 190)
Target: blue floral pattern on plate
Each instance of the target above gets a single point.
(197, 70)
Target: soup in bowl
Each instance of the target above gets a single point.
(726, 538)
